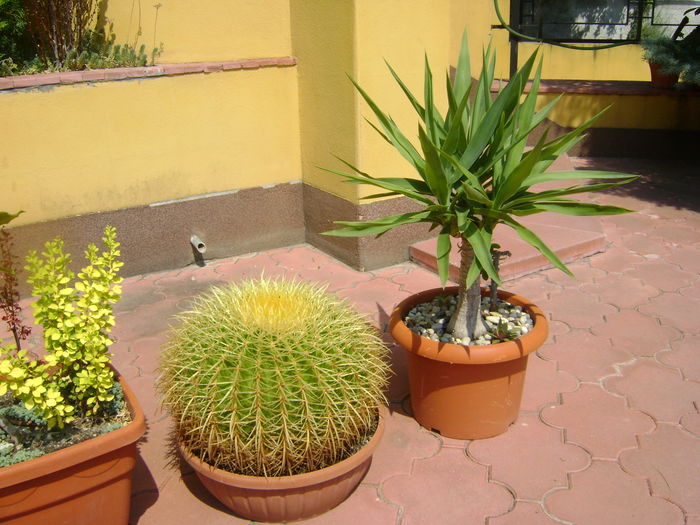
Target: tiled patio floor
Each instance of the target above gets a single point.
(609, 431)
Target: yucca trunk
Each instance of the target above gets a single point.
(466, 320)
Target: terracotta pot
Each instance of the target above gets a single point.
(85, 484)
(662, 80)
(287, 498)
(466, 392)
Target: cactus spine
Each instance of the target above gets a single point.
(272, 378)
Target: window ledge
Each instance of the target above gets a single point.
(120, 73)
(603, 87)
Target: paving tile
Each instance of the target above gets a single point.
(531, 458)
(655, 389)
(586, 356)
(365, 499)
(636, 333)
(191, 282)
(403, 442)
(147, 352)
(691, 423)
(157, 465)
(524, 513)
(558, 328)
(674, 310)
(375, 298)
(543, 383)
(621, 290)
(244, 268)
(615, 259)
(336, 276)
(302, 256)
(182, 501)
(598, 421)
(398, 381)
(661, 275)
(674, 233)
(583, 273)
(137, 293)
(146, 321)
(684, 356)
(450, 486)
(688, 258)
(577, 308)
(534, 287)
(605, 494)
(643, 245)
(670, 458)
(418, 279)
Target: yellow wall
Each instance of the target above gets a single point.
(387, 30)
(83, 148)
(626, 111)
(200, 31)
(332, 39)
(323, 38)
(92, 147)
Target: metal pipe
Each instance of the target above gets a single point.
(198, 244)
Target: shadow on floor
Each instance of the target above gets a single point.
(665, 182)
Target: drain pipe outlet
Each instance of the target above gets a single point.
(198, 244)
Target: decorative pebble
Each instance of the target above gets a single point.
(431, 319)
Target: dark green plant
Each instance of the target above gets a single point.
(14, 40)
(679, 53)
(474, 173)
(272, 378)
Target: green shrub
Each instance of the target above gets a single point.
(76, 316)
(270, 378)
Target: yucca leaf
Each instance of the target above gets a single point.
(480, 241)
(430, 125)
(402, 182)
(524, 117)
(391, 186)
(472, 180)
(395, 136)
(434, 174)
(529, 237)
(514, 180)
(536, 197)
(444, 245)
(463, 76)
(580, 208)
(579, 175)
(376, 227)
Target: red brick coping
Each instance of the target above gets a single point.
(119, 73)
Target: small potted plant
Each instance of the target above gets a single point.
(276, 390)
(474, 173)
(671, 57)
(68, 422)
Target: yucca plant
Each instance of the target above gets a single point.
(272, 378)
(474, 172)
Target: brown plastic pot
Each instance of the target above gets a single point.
(662, 80)
(85, 484)
(466, 392)
(287, 498)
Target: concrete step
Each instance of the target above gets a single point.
(571, 238)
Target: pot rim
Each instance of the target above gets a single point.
(287, 482)
(468, 354)
(85, 450)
